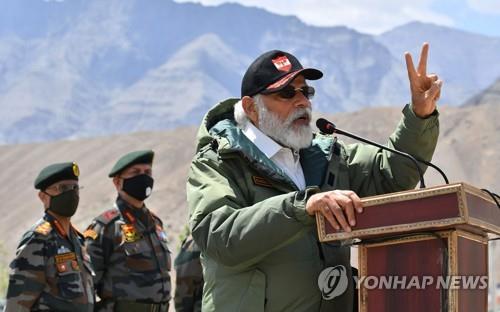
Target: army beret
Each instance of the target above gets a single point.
(55, 173)
(132, 158)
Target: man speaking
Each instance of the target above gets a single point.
(260, 175)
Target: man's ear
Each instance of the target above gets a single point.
(250, 109)
(44, 198)
(117, 183)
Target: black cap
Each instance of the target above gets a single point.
(55, 173)
(272, 71)
(132, 158)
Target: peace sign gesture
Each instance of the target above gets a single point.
(425, 89)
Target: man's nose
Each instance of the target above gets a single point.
(302, 101)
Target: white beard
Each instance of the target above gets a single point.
(284, 131)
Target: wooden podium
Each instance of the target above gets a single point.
(436, 236)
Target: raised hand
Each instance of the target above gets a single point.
(425, 89)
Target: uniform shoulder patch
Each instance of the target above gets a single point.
(108, 216)
(90, 233)
(43, 228)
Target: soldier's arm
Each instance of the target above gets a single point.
(95, 243)
(27, 277)
(189, 277)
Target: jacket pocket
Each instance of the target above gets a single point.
(254, 298)
(70, 285)
(138, 256)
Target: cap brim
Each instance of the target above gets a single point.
(307, 73)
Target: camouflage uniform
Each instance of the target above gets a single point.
(189, 277)
(51, 271)
(129, 252)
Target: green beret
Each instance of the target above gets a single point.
(137, 157)
(55, 173)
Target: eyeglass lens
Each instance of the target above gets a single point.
(289, 92)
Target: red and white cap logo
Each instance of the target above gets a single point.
(282, 63)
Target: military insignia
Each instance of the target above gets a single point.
(61, 267)
(67, 256)
(161, 234)
(129, 233)
(44, 228)
(62, 259)
(76, 170)
(260, 181)
(129, 216)
(59, 228)
(90, 233)
(110, 214)
(74, 265)
(282, 63)
(63, 250)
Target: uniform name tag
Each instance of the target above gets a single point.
(68, 256)
(260, 181)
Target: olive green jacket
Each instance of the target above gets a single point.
(260, 250)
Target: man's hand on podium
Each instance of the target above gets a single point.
(338, 207)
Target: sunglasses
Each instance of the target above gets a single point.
(61, 188)
(289, 92)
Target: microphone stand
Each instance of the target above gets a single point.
(413, 159)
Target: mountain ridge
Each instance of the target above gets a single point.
(88, 72)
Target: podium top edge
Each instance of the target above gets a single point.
(459, 187)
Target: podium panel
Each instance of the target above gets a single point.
(444, 271)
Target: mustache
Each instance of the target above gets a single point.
(305, 112)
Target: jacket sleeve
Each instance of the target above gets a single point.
(27, 277)
(97, 251)
(373, 171)
(231, 232)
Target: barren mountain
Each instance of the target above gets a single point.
(490, 96)
(81, 68)
(453, 52)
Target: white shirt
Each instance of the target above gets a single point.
(283, 157)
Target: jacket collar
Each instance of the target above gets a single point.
(219, 124)
(267, 145)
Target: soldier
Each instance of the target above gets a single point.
(51, 270)
(189, 276)
(127, 244)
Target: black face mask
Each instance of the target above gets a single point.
(65, 204)
(139, 187)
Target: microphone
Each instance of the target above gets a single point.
(328, 127)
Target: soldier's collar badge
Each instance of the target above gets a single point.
(130, 234)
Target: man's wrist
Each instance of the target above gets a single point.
(298, 208)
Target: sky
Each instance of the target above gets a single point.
(377, 16)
